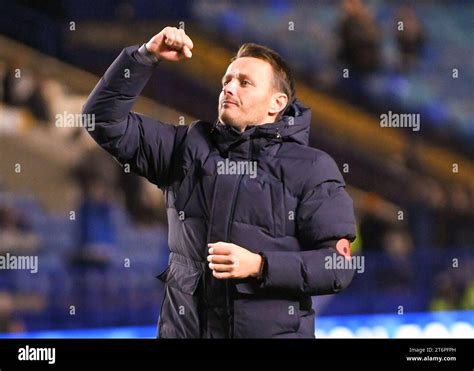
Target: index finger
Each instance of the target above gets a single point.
(219, 248)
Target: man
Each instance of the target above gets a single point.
(256, 217)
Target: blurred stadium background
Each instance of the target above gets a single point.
(100, 233)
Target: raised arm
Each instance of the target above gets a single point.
(147, 145)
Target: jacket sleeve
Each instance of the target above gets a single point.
(324, 216)
(148, 146)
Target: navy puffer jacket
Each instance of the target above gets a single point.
(292, 207)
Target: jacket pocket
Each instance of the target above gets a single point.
(179, 316)
(182, 277)
(162, 276)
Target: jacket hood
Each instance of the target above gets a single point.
(293, 126)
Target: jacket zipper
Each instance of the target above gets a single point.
(204, 278)
(229, 301)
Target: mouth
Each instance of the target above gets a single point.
(227, 103)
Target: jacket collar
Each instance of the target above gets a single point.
(292, 127)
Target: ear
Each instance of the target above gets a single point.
(278, 103)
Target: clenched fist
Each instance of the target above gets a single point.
(171, 44)
(228, 260)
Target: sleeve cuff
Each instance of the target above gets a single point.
(142, 55)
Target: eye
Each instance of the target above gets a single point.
(245, 82)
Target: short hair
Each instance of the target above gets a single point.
(283, 77)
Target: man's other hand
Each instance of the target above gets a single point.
(227, 260)
(171, 44)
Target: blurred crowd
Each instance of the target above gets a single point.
(361, 37)
(361, 42)
(22, 86)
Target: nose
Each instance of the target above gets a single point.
(230, 88)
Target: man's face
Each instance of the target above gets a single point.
(247, 96)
